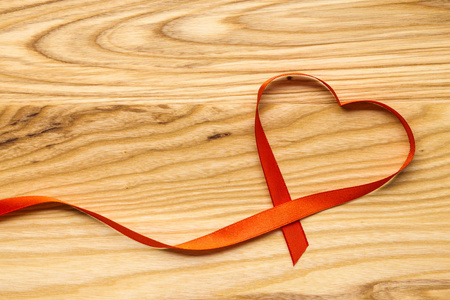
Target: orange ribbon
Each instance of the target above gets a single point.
(286, 213)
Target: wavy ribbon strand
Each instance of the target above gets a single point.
(286, 213)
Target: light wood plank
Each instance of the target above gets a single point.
(195, 51)
(178, 171)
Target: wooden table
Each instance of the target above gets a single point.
(143, 111)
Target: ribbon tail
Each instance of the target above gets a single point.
(294, 234)
(296, 240)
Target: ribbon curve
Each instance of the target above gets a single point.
(286, 213)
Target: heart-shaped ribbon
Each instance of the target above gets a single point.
(285, 214)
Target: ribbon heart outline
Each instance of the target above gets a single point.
(293, 233)
(285, 214)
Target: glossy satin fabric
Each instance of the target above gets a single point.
(286, 213)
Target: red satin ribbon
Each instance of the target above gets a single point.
(285, 214)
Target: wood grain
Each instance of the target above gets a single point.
(143, 111)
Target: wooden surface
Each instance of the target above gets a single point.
(143, 111)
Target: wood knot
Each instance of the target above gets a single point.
(218, 136)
